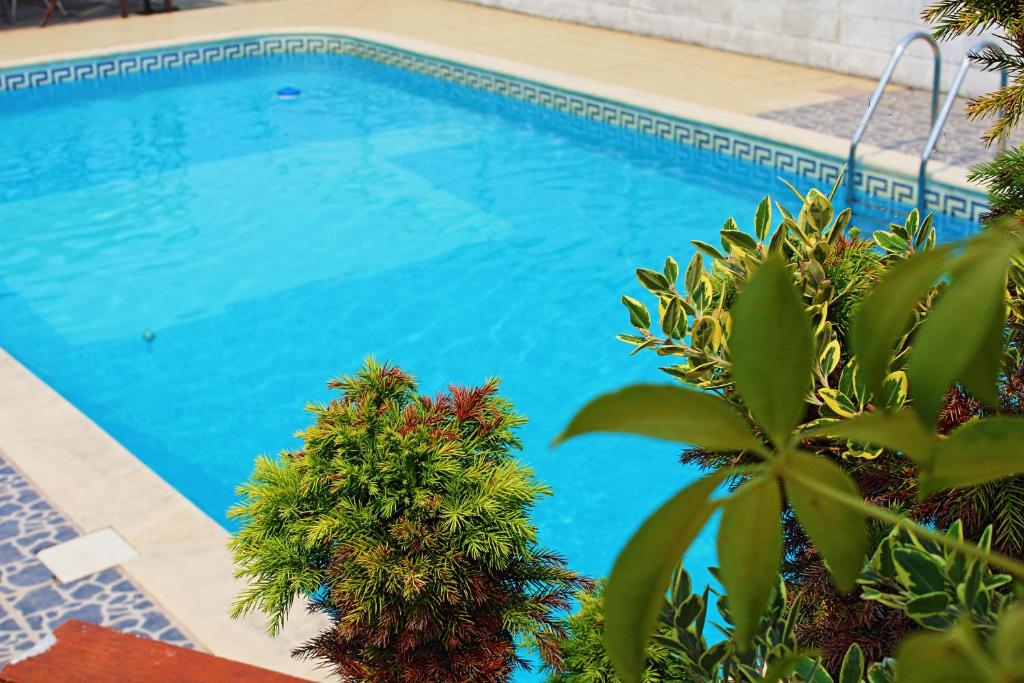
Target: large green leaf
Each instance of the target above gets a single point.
(970, 311)
(1008, 643)
(980, 451)
(882, 319)
(652, 280)
(749, 552)
(763, 218)
(817, 210)
(981, 372)
(813, 671)
(837, 531)
(852, 670)
(740, 239)
(927, 605)
(665, 412)
(935, 658)
(640, 577)
(921, 571)
(693, 274)
(882, 672)
(838, 228)
(671, 270)
(778, 239)
(771, 349)
(639, 317)
(901, 431)
(708, 250)
(786, 666)
(890, 242)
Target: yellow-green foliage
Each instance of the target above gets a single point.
(1003, 175)
(585, 657)
(832, 267)
(405, 519)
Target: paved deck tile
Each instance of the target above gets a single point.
(33, 602)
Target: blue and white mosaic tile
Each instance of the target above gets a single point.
(33, 603)
(821, 170)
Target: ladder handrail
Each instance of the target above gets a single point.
(876, 97)
(947, 107)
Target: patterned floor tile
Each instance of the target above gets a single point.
(33, 603)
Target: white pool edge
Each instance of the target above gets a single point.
(183, 563)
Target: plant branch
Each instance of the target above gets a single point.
(995, 559)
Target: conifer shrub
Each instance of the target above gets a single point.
(405, 519)
(1004, 174)
(585, 658)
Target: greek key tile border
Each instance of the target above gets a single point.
(875, 186)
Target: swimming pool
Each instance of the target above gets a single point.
(271, 244)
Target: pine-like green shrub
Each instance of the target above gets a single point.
(585, 656)
(1004, 106)
(405, 519)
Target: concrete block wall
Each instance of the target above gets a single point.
(849, 36)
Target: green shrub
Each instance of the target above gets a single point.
(585, 658)
(854, 269)
(935, 585)
(404, 518)
(685, 618)
(834, 269)
(1003, 175)
(679, 651)
(945, 312)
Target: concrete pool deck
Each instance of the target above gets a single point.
(684, 72)
(182, 563)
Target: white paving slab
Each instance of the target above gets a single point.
(86, 555)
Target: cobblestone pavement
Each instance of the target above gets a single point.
(33, 603)
(902, 122)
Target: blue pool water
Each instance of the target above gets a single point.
(272, 244)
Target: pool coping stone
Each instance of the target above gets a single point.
(183, 562)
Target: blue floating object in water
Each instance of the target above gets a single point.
(288, 93)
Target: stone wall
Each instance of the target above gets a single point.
(850, 36)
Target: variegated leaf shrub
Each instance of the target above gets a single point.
(693, 644)
(832, 267)
(942, 317)
(935, 585)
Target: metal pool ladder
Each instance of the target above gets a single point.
(876, 97)
(947, 106)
